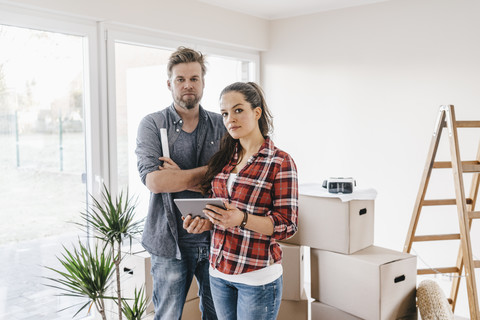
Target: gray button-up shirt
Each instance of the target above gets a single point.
(160, 236)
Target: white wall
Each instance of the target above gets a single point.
(355, 92)
(186, 18)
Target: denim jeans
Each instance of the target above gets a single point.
(237, 301)
(172, 279)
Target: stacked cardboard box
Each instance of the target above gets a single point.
(191, 308)
(350, 277)
(135, 268)
(294, 296)
(373, 283)
(136, 265)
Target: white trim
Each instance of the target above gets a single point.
(144, 36)
(14, 15)
(171, 39)
(104, 102)
(36, 10)
(111, 103)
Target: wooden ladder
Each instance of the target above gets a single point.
(465, 206)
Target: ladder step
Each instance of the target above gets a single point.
(437, 237)
(474, 214)
(476, 264)
(443, 202)
(468, 166)
(468, 124)
(437, 270)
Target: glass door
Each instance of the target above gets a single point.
(44, 96)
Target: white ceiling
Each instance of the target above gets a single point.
(278, 9)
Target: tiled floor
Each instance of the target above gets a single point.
(23, 291)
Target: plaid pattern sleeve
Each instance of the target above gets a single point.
(266, 186)
(285, 201)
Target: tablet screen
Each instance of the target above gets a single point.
(195, 206)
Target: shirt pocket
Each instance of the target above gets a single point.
(210, 147)
(256, 193)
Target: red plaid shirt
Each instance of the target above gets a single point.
(266, 186)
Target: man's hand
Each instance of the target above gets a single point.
(170, 178)
(196, 225)
(168, 164)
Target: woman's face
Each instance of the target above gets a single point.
(239, 118)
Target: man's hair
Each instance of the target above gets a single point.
(186, 55)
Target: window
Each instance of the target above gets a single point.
(59, 145)
(46, 160)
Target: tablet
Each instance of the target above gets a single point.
(196, 205)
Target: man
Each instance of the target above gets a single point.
(193, 137)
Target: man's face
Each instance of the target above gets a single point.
(186, 85)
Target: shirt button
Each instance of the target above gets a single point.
(178, 130)
(180, 121)
(211, 142)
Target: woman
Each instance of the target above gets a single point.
(258, 183)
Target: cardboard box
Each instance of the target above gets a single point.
(374, 283)
(193, 291)
(135, 268)
(321, 311)
(293, 272)
(297, 310)
(330, 224)
(191, 310)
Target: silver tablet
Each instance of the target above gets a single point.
(196, 205)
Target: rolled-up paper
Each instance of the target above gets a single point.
(164, 139)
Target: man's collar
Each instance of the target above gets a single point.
(176, 117)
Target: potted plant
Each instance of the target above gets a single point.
(112, 219)
(87, 274)
(113, 222)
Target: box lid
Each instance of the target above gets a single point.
(134, 249)
(316, 190)
(380, 256)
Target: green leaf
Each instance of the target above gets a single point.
(87, 274)
(113, 218)
(138, 307)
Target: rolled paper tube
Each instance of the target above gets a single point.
(164, 139)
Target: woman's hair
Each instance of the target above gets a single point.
(254, 95)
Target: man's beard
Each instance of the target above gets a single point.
(189, 103)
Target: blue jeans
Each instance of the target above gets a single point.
(237, 301)
(172, 279)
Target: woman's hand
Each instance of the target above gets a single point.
(168, 164)
(197, 224)
(231, 217)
